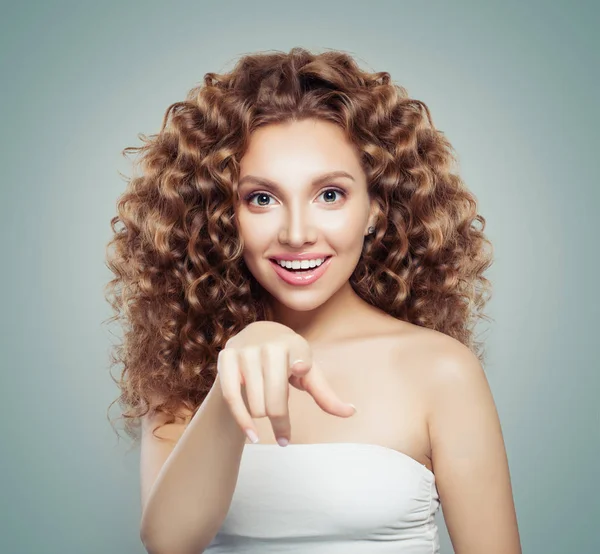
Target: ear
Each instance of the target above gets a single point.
(374, 213)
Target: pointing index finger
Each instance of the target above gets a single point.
(326, 398)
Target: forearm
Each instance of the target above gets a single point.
(193, 492)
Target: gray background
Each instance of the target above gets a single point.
(513, 86)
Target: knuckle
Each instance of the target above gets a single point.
(277, 413)
(258, 413)
(275, 349)
(250, 353)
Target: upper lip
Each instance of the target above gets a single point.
(304, 256)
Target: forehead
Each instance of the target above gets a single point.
(308, 145)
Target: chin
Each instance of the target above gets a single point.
(296, 299)
(306, 305)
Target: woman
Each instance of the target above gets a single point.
(306, 157)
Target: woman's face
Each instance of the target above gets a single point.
(299, 211)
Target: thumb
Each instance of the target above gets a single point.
(300, 356)
(326, 398)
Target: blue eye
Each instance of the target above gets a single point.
(254, 195)
(336, 191)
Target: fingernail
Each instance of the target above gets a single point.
(355, 410)
(252, 435)
(282, 441)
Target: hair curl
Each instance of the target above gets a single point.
(181, 288)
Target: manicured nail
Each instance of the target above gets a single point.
(355, 410)
(282, 441)
(252, 435)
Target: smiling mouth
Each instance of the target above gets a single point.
(300, 270)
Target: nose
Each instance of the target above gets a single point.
(297, 229)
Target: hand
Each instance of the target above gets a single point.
(263, 359)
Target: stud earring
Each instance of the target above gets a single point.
(370, 230)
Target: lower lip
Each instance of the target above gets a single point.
(304, 278)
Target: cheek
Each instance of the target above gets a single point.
(256, 242)
(248, 231)
(252, 244)
(259, 232)
(345, 234)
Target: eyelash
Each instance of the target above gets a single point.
(252, 195)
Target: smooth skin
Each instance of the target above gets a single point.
(261, 362)
(417, 391)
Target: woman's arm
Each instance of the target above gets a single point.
(187, 487)
(469, 457)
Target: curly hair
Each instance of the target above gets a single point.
(181, 288)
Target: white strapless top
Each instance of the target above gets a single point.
(333, 498)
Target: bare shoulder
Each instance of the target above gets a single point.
(467, 448)
(429, 342)
(445, 371)
(426, 353)
(448, 370)
(434, 356)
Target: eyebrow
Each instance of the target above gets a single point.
(263, 181)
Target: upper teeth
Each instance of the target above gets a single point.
(297, 264)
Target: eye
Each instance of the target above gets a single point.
(265, 195)
(254, 195)
(335, 191)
